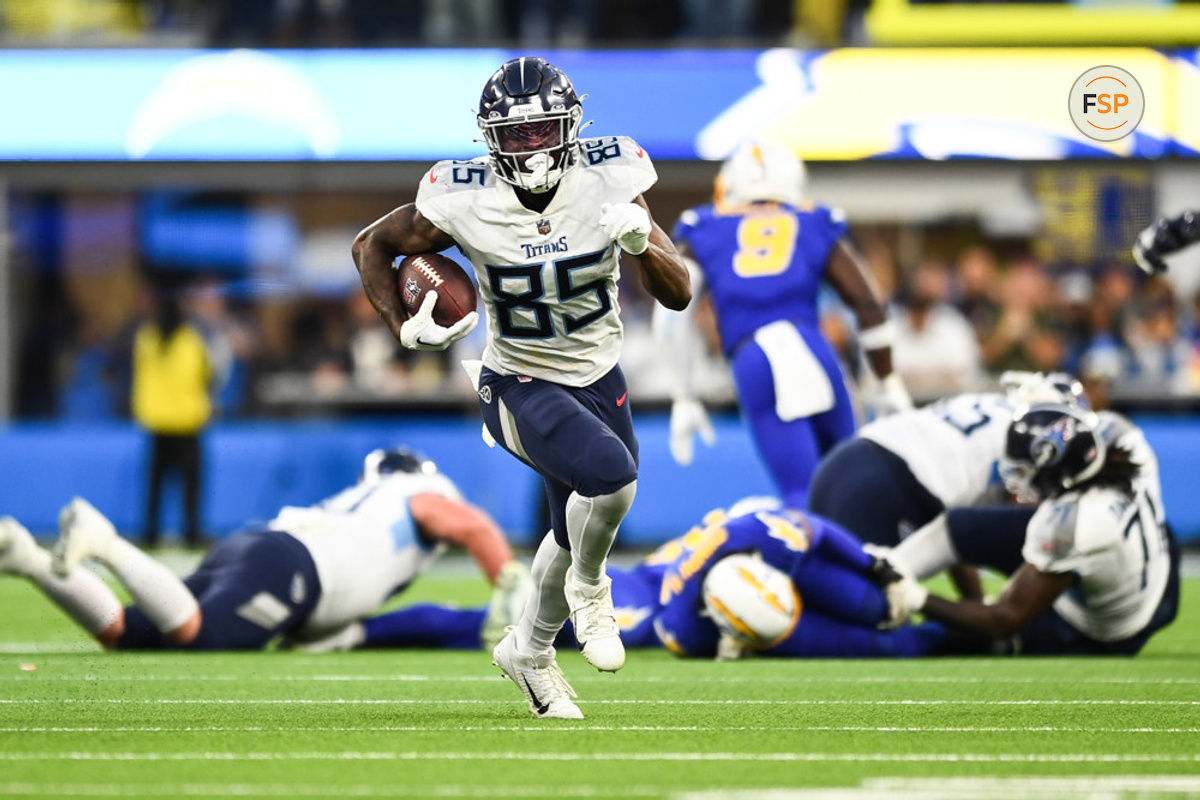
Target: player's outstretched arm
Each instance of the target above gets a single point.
(848, 274)
(462, 524)
(401, 232)
(1028, 593)
(664, 274)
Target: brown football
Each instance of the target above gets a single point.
(420, 273)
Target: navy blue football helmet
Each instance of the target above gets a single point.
(382, 462)
(1050, 449)
(529, 115)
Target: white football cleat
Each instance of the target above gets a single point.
(595, 622)
(83, 533)
(539, 679)
(513, 587)
(16, 547)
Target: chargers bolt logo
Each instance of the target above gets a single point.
(1106, 103)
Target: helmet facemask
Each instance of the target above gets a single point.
(533, 148)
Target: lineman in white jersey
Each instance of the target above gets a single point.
(916, 465)
(1098, 572)
(543, 220)
(307, 574)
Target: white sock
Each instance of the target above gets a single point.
(157, 591)
(927, 550)
(546, 610)
(82, 595)
(592, 524)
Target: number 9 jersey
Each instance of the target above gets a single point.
(762, 263)
(548, 278)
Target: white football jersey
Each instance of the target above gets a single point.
(1117, 547)
(951, 446)
(1118, 430)
(548, 279)
(365, 545)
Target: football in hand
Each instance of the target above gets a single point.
(420, 273)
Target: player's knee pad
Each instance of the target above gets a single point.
(607, 467)
(609, 508)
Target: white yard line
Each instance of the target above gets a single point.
(682, 702)
(515, 755)
(27, 789)
(543, 728)
(740, 679)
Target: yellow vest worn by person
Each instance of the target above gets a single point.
(170, 380)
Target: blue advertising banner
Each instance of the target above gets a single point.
(418, 105)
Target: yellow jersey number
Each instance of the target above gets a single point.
(765, 245)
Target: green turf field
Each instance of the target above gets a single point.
(75, 722)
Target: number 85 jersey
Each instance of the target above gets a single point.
(548, 278)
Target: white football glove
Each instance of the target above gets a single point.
(893, 396)
(420, 332)
(904, 597)
(729, 649)
(628, 224)
(688, 418)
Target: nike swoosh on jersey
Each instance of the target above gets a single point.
(621, 399)
(432, 178)
(542, 708)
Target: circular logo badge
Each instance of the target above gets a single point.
(1106, 103)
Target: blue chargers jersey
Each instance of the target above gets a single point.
(784, 538)
(762, 263)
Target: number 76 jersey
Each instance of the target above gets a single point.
(548, 278)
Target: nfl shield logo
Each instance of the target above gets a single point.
(543, 226)
(411, 291)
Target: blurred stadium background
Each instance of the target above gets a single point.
(227, 153)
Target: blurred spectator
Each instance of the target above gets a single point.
(978, 288)
(1160, 353)
(449, 22)
(231, 343)
(171, 375)
(935, 350)
(1027, 296)
(712, 20)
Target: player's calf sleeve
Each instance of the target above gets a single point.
(157, 591)
(592, 524)
(82, 595)
(927, 551)
(546, 610)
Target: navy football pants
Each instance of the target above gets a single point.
(578, 439)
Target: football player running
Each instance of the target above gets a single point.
(307, 574)
(543, 220)
(761, 252)
(1098, 570)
